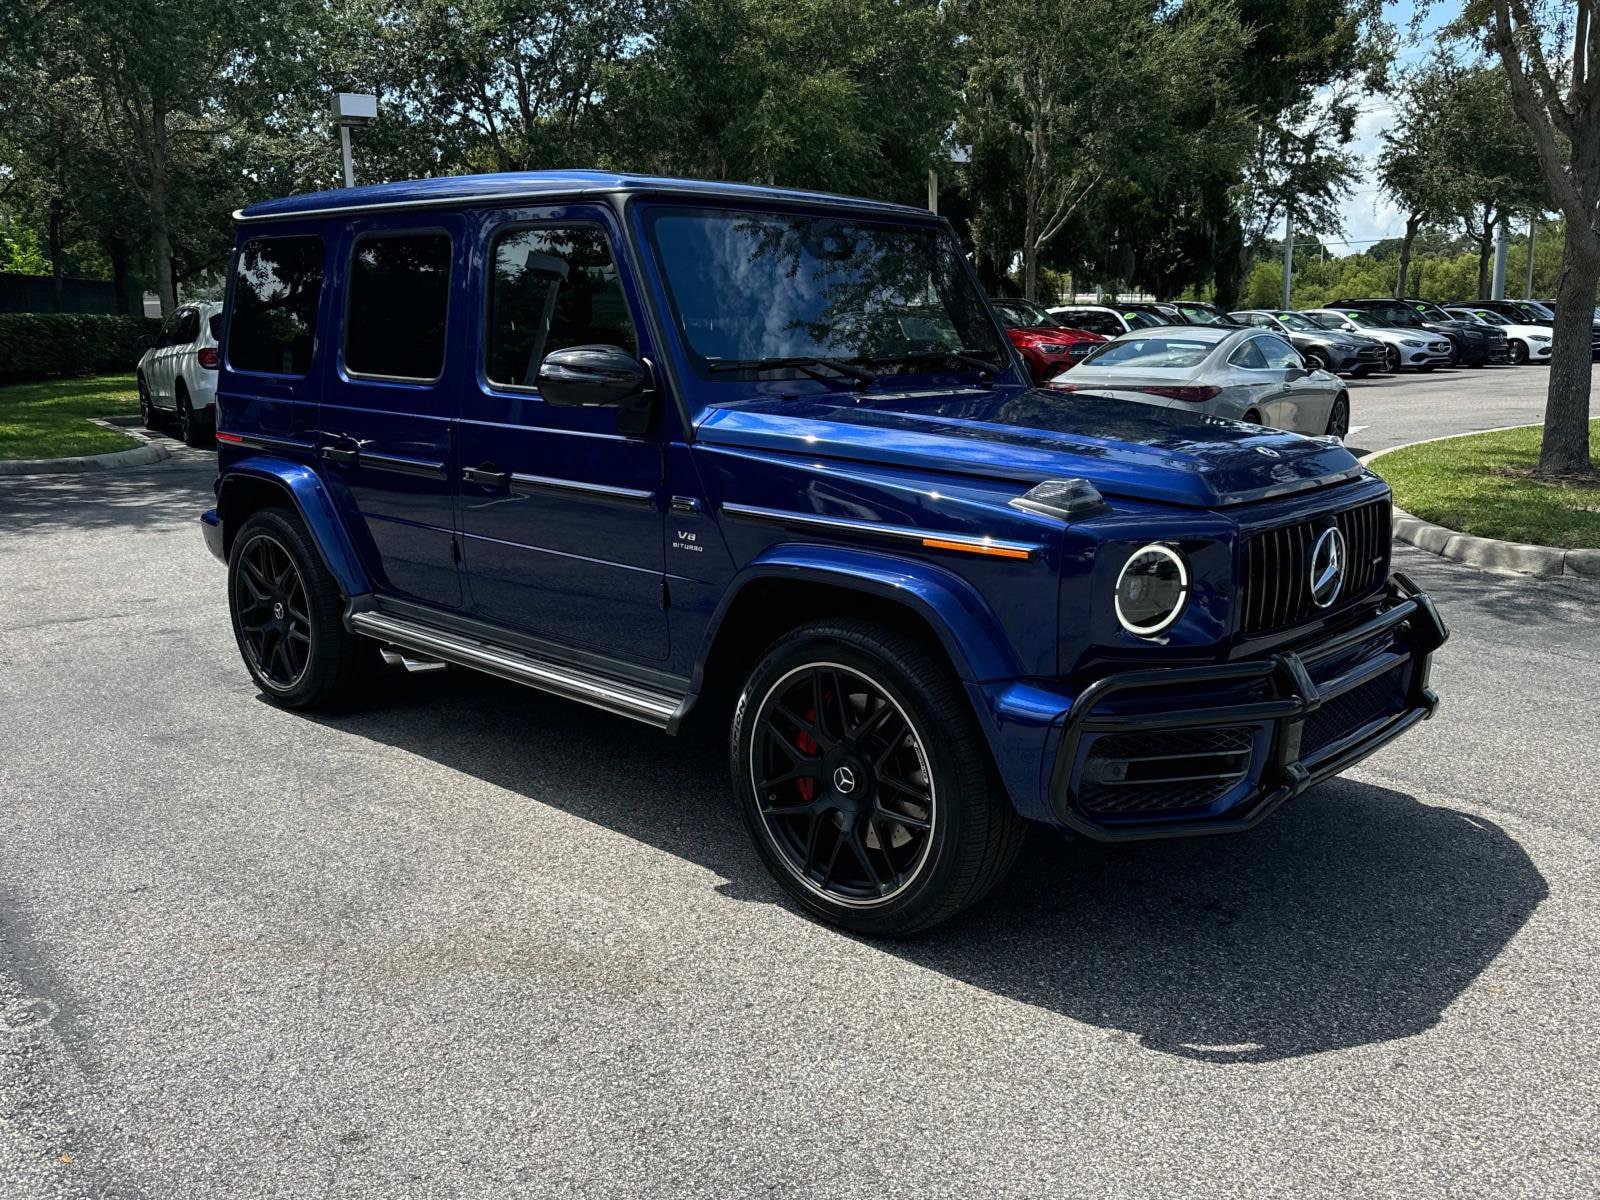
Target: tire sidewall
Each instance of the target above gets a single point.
(273, 524)
(1344, 403)
(946, 772)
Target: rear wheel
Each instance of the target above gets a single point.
(1519, 352)
(1339, 417)
(288, 617)
(194, 430)
(864, 781)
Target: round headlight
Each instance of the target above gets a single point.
(1151, 590)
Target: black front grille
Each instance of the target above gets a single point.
(1277, 566)
(1165, 770)
(1344, 714)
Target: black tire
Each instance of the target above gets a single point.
(322, 666)
(147, 407)
(1252, 418)
(194, 431)
(1339, 416)
(960, 833)
(1391, 359)
(1519, 352)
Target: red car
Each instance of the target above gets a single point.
(1048, 346)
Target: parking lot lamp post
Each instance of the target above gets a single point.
(351, 108)
(1527, 291)
(1288, 256)
(1502, 243)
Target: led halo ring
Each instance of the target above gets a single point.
(1183, 590)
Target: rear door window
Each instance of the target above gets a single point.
(277, 284)
(398, 302)
(551, 288)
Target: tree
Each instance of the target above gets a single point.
(1550, 50)
(1418, 164)
(1056, 104)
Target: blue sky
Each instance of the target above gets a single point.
(1367, 215)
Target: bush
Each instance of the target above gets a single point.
(59, 345)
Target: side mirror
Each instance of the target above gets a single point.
(1290, 374)
(593, 377)
(145, 341)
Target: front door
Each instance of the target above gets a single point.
(561, 513)
(388, 408)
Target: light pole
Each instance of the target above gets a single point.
(351, 108)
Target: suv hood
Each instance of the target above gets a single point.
(1123, 448)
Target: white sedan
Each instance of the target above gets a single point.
(1527, 343)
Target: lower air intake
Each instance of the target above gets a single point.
(1163, 771)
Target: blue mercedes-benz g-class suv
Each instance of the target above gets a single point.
(642, 443)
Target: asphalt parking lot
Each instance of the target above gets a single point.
(477, 942)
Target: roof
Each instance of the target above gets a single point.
(512, 186)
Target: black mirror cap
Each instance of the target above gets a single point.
(592, 377)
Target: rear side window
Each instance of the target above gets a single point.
(215, 325)
(1280, 353)
(188, 327)
(550, 289)
(275, 292)
(398, 302)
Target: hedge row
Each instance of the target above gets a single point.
(58, 345)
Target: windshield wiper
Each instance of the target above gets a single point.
(813, 367)
(983, 360)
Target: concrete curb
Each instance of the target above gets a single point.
(1487, 554)
(135, 456)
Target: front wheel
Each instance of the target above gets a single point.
(288, 616)
(1519, 353)
(1391, 359)
(864, 780)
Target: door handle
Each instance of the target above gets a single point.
(488, 475)
(344, 450)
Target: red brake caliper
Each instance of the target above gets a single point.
(807, 787)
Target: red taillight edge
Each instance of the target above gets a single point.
(209, 357)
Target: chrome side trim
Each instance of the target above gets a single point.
(401, 466)
(900, 533)
(577, 487)
(659, 709)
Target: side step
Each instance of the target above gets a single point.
(660, 709)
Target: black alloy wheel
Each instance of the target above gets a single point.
(843, 785)
(1391, 359)
(288, 617)
(273, 612)
(1519, 353)
(865, 782)
(1339, 417)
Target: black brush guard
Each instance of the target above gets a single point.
(1415, 631)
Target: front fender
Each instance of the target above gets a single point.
(966, 626)
(304, 489)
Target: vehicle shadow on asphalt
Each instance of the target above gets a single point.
(1356, 915)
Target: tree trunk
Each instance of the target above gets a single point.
(1565, 447)
(117, 251)
(1485, 249)
(1030, 244)
(160, 226)
(1413, 225)
(57, 287)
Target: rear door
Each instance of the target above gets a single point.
(561, 510)
(390, 396)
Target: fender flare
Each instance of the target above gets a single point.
(306, 492)
(965, 625)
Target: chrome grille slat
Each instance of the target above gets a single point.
(1276, 566)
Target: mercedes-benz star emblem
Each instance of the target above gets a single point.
(1327, 567)
(844, 779)
(1268, 451)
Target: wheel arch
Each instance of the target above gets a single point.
(793, 584)
(256, 483)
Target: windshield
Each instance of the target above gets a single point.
(1141, 320)
(1199, 314)
(1293, 320)
(747, 287)
(1019, 314)
(1489, 316)
(1432, 312)
(1393, 314)
(1362, 321)
(1152, 352)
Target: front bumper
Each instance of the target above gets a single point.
(1235, 740)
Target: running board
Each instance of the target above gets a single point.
(660, 709)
